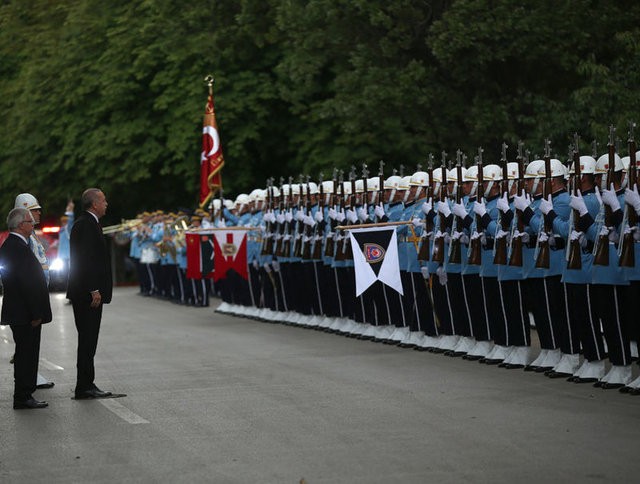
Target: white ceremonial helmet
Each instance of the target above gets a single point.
(491, 174)
(286, 190)
(471, 175)
(26, 200)
(392, 183)
(419, 179)
(512, 173)
(405, 185)
(216, 204)
(295, 189)
(313, 188)
(602, 165)
(359, 185)
(327, 189)
(373, 184)
(346, 188)
(587, 165)
(228, 203)
(275, 191)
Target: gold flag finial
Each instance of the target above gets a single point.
(210, 80)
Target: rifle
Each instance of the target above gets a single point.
(365, 175)
(627, 248)
(319, 227)
(515, 258)
(380, 194)
(500, 245)
(475, 244)
(423, 253)
(286, 243)
(329, 247)
(543, 260)
(455, 250)
(438, 242)
(574, 253)
(307, 237)
(267, 240)
(601, 257)
(280, 228)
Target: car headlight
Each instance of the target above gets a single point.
(57, 265)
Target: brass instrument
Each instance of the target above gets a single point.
(123, 226)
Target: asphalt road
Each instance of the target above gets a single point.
(213, 398)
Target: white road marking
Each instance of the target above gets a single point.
(123, 412)
(48, 365)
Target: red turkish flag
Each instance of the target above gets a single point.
(230, 252)
(211, 158)
(199, 256)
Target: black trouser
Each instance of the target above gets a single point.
(541, 300)
(518, 329)
(424, 320)
(474, 296)
(88, 325)
(25, 360)
(495, 315)
(444, 316)
(606, 300)
(457, 301)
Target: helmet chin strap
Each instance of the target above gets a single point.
(406, 196)
(511, 182)
(436, 189)
(327, 198)
(474, 189)
(418, 191)
(534, 187)
(603, 182)
(392, 195)
(625, 182)
(489, 186)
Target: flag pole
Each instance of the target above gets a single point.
(368, 226)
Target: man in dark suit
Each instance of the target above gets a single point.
(25, 306)
(89, 287)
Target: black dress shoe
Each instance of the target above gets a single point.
(45, 386)
(634, 391)
(512, 366)
(579, 379)
(492, 361)
(29, 404)
(531, 368)
(611, 386)
(558, 374)
(626, 389)
(472, 357)
(542, 369)
(91, 394)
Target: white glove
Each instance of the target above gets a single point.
(340, 216)
(632, 198)
(288, 216)
(479, 208)
(427, 206)
(521, 202)
(362, 214)
(546, 205)
(417, 222)
(332, 213)
(443, 208)
(222, 223)
(598, 195)
(319, 216)
(351, 216)
(501, 234)
(308, 220)
(459, 210)
(379, 211)
(610, 198)
(280, 218)
(543, 237)
(503, 203)
(299, 215)
(577, 203)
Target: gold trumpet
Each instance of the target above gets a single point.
(121, 227)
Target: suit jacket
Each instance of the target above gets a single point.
(89, 264)
(26, 296)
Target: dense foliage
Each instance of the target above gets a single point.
(112, 94)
